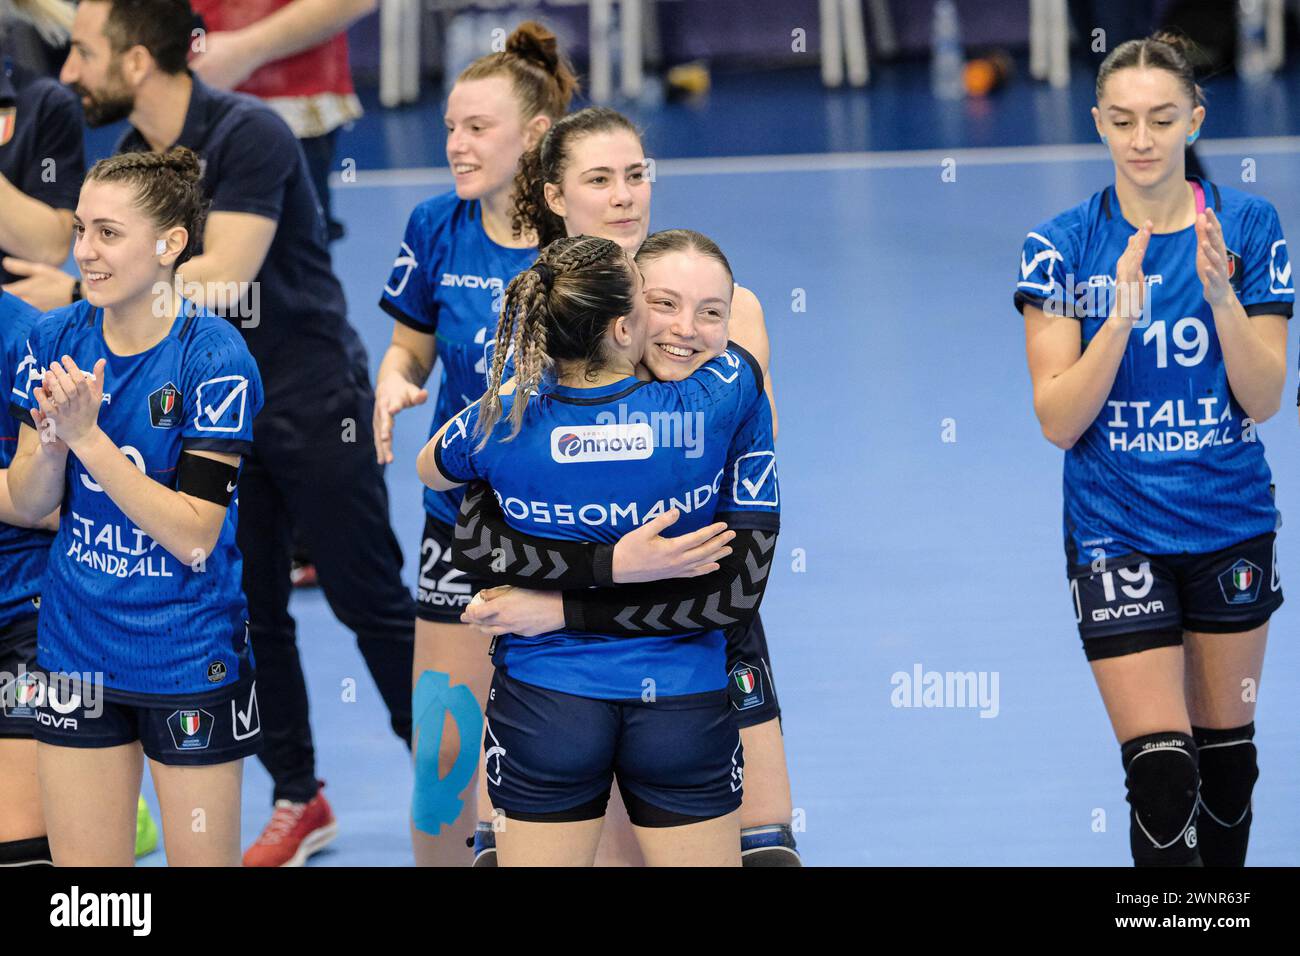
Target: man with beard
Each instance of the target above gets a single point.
(265, 266)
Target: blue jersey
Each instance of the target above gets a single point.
(449, 281)
(1171, 464)
(591, 464)
(114, 601)
(22, 550)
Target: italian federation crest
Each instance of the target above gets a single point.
(1240, 583)
(745, 687)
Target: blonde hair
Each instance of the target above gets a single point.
(53, 18)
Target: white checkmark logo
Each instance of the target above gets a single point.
(1027, 266)
(1279, 279)
(753, 488)
(209, 415)
(214, 414)
(246, 717)
(230, 487)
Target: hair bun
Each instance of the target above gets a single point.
(532, 41)
(184, 162)
(1181, 42)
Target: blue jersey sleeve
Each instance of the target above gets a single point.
(409, 294)
(1266, 283)
(15, 373)
(1047, 257)
(724, 389)
(222, 392)
(455, 453)
(750, 496)
(27, 369)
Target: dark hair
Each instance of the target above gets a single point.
(542, 79)
(546, 163)
(1165, 50)
(166, 189)
(682, 240)
(160, 26)
(556, 311)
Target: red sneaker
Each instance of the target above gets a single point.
(302, 575)
(296, 831)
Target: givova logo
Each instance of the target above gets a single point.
(624, 442)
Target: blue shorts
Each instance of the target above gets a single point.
(17, 654)
(1144, 601)
(749, 675)
(173, 731)
(552, 757)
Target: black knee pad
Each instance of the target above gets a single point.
(33, 852)
(1228, 774)
(769, 846)
(1163, 781)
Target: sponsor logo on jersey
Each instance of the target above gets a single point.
(190, 729)
(746, 687)
(219, 404)
(754, 480)
(165, 407)
(1279, 269)
(404, 264)
(216, 672)
(1043, 252)
(471, 282)
(1240, 583)
(584, 443)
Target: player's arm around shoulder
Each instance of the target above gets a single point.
(748, 329)
(447, 459)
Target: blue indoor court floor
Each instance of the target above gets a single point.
(900, 548)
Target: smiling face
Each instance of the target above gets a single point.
(1146, 116)
(94, 71)
(605, 190)
(688, 301)
(116, 245)
(486, 135)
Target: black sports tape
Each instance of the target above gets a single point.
(729, 595)
(206, 478)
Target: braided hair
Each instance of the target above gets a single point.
(166, 188)
(556, 311)
(547, 162)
